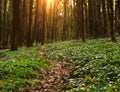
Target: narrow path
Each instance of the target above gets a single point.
(53, 79)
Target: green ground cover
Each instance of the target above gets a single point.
(95, 65)
(18, 70)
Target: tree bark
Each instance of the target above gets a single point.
(0, 22)
(43, 23)
(29, 34)
(15, 27)
(111, 20)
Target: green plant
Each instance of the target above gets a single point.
(19, 69)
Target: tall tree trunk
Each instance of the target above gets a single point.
(105, 32)
(15, 27)
(117, 16)
(86, 19)
(83, 21)
(22, 22)
(49, 23)
(36, 24)
(0, 22)
(96, 19)
(29, 34)
(78, 18)
(43, 23)
(64, 20)
(91, 29)
(111, 20)
(4, 42)
(53, 21)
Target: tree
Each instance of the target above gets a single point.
(104, 18)
(117, 9)
(29, 33)
(90, 10)
(64, 20)
(15, 27)
(43, 23)
(96, 19)
(82, 19)
(36, 24)
(0, 22)
(111, 20)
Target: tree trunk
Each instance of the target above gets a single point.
(43, 23)
(64, 20)
(111, 20)
(105, 32)
(15, 27)
(0, 22)
(4, 35)
(29, 34)
(83, 21)
(91, 26)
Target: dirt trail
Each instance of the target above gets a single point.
(53, 79)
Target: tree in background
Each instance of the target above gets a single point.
(111, 20)
(118, 16)
(26, 22)
(30, 28)
(0, 22)
(16, 25)
(42, 35)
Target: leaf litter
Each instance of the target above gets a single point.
(53, 79)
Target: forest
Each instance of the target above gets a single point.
(59, 46)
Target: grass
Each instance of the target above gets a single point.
(18, 70)
(94, 64)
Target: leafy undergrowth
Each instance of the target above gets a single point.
(95, 65)
(19, 69)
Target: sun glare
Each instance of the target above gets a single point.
(50, 2)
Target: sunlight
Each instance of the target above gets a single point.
(49, 2)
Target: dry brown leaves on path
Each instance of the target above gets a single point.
(53, 79)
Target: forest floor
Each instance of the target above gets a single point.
(70, 66)
(52, 79)
(1, 56)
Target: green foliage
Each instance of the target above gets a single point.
(95, 64)
(19, 69)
